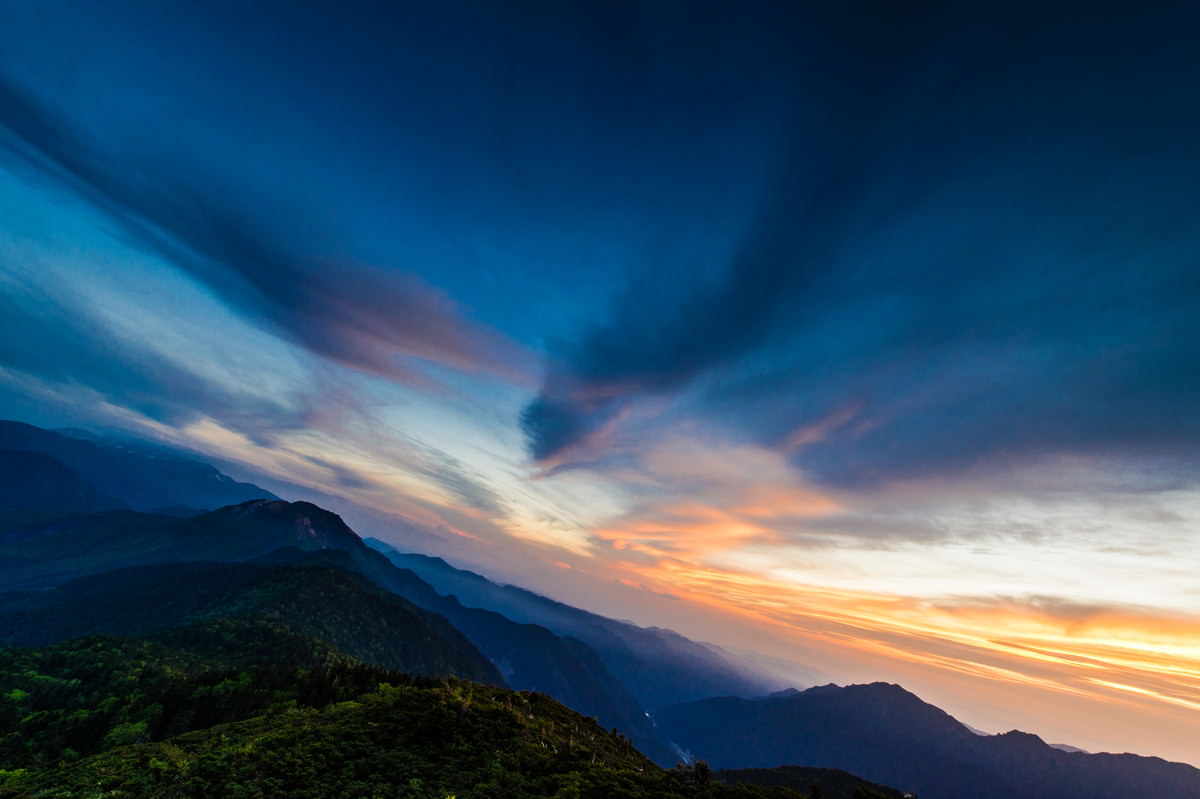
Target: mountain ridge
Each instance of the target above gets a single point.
(882, 732)
(661, 666)
(141, 478)
(534, 657)
(372, 625)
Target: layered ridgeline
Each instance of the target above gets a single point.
(882, 732)
(31, 481)
(302, 601)
(660, 666)
(110, 474)
(250, 698)
(40, 553)
(253, 652)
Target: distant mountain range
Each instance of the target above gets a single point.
(112, 474)
(884, 733)
(231, 619)
(661, 667)
(31, 481)
(41, 549)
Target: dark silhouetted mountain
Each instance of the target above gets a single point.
(660, 666)
(48, 552)
(529, 656)
(330, 604)
(832, 783)
(32, 481)
(884, 733)
(44, 550)
(140, 477)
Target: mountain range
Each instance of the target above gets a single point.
(661, 666)
(884, 733)
(121, 474)
(147, 621)
(529, 657)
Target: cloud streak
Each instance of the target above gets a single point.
(984, 258)
(1103, 660)
(659, 339)
(58, 341)
(370, 319)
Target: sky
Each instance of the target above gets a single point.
(863, 338)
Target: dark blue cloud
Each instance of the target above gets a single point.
(659, 336)
(978, 236)
(255, 256)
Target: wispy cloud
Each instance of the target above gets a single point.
(60, 340)
(1115, 660)
(382, 321)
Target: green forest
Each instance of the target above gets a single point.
(239, 708)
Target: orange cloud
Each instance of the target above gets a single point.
(1051, 667)
(819, 431)
(706, 497)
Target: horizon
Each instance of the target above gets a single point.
(865, 343)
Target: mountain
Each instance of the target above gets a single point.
(252, 678)
(44, 552)
(394, 736)
(32, 481)
(832, 783)
(661, 667)
(886, 734)
(131, 475)
(256, 692)
(529, 656)
(330, 604)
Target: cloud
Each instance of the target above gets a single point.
(977, 237)
(380, 321)
(58, 342)
(659, 338)
(700, 501)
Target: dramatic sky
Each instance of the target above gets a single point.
(862, 336)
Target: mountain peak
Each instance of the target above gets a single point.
(300, 524)
(1021, 738)
(872, 689)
